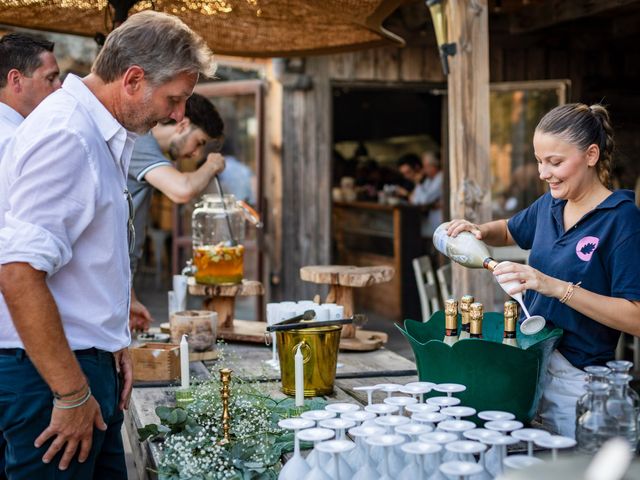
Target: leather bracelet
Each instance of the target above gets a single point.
(60, 396)
(80, 402)
(569, 293)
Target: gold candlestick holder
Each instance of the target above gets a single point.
(225, 394)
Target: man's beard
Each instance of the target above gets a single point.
(138, 118)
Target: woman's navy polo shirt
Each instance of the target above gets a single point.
(602, 251)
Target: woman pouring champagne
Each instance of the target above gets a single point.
(584, 267)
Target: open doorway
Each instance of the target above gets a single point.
(374, 125)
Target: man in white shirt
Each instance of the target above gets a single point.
(65, 234)
(28, 73)
(429, 192)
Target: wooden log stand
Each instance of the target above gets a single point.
(222, 299)
(342, 279)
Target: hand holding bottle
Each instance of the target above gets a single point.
(457, 226)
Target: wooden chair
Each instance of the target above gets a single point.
(444, 282)
(427, 287)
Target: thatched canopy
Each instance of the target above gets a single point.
(259, 28)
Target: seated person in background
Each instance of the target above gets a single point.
(410, 167)
(429, 192)
(237, 178)
(150, 168)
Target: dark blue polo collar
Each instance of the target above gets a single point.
(612, 201)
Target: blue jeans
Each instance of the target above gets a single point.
(25, 411)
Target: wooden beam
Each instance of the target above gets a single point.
(553, 12)
(468, 102)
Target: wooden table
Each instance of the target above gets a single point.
(247, 362)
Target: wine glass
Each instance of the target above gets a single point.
(441, 402)
(465, 449)
(315, 435)
(417, 391)
(479, 435)
(458, 412)
(518, 462)
(529, 435)
(441, 438)
(461, 470)
(297, 467)
(400, 402)
(421, 408)
(364, 461)
(531, 324)
(449, 388)
(428, 385)
(456, 426)
(338, 467)
(429, 418)
(554, 442)
(340, 408)
(391, 421)
(273, 317)
(490, 415)
(413, 430)
(416, 451)
(317, 415)
(389, 388)
(500, 442)
(503, 426)
(387, 442)
(428, 456)
(339, 425)
(381, 408)
(369, 389)
(360, 417)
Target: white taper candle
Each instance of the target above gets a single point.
(299, 377)
(184, 361)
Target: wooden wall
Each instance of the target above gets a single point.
(598, 54)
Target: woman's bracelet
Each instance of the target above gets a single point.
(569, 293)
(68, 406)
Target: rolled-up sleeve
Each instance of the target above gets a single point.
(50, 200)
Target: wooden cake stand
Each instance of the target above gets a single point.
(342, 279)
(222, 299)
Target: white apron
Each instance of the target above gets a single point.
(564, 385)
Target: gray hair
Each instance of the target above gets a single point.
(161, 44)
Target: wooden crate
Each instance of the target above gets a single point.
(156, 361)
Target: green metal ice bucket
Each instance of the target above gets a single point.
(497, 376)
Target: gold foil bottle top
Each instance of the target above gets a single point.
(451, 314)
(451, 307)
(510, 315)
(476, 310)
(465, 301)
(510, 309)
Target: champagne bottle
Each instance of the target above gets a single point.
(465, 302)
(451, 321)
(510, 319)
(476, 312)
(470, 252)
(464, 249)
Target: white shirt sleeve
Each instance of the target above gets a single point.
(433, 190)
(50, 200)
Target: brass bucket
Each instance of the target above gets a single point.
(319, 348)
